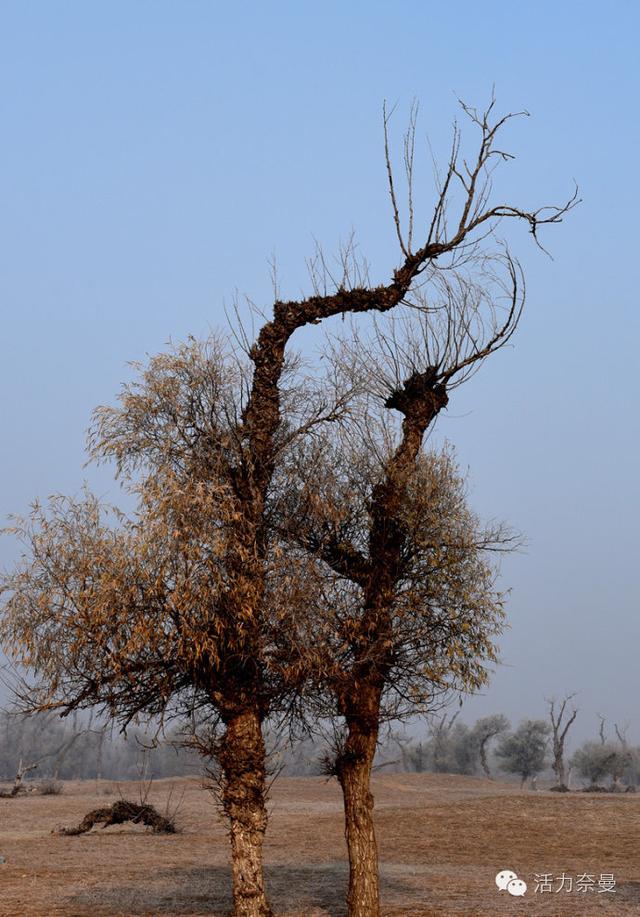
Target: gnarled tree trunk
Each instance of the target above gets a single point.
(353, 769)
(559, 768)
(483, 759)
(242, 757)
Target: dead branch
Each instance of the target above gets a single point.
(119, 813)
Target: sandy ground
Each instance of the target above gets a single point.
(442, 841)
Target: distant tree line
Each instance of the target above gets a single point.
(72, 750)
(66, 749)
(535, 746)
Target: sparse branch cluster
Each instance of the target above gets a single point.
(442, 598)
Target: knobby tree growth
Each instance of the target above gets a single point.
(175, 610)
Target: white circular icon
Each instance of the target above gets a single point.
(507, 880)
(517, 887)
(503, 878)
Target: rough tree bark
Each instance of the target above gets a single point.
(353, 770)
(242, 753)
(242, 758)
(420, 400)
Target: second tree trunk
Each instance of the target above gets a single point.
(353, 768)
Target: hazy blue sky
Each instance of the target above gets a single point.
(153, 156)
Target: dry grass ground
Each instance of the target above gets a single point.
(442, 840)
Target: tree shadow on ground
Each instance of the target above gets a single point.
(312, 891)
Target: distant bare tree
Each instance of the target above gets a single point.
(621, 734)
(413, 755)
(601, 729)
(561, 721)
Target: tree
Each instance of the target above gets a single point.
(443, 734)
(594, 760)
(432, 637)
(486, 729)
(170, 612)
(415, 756)
(523, 752)
(632, 769)
(18, 788)
(42, 744)
(453, 747)
(625, 755)
(376, 525)
(601, 729)
(448, 748)
(560, 727)
(173, 610)
(464, 750)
